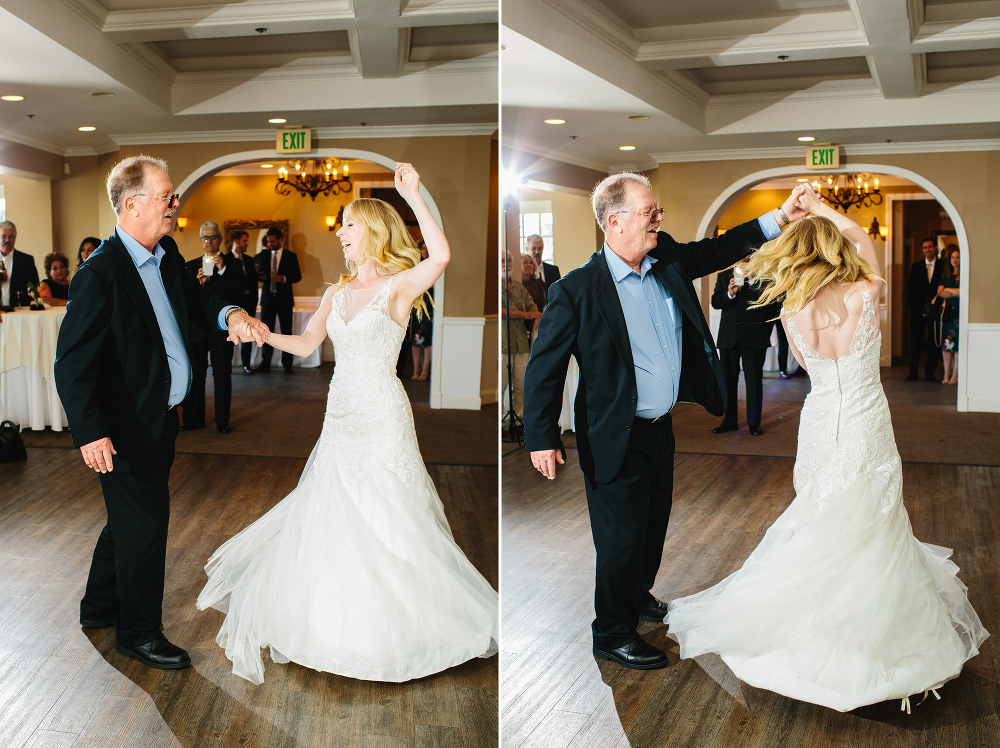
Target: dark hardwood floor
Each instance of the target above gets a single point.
(554, 692)
(62, 686)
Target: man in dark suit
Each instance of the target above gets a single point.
(548, 272)
(225, 280)
(17, 269)
(744, 336)
(631, 318)
(121, 367)
(248, 302)
(277, 270)
(925, 277)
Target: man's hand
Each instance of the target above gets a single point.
(219, 262)
(733, 288)
(202, 278)
(545, 461)
(97, 455)
(246, 329)
(791, 205)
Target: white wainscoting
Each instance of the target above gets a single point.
(460, 363)
(979, 355)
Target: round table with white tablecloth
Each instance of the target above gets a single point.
(28, 394)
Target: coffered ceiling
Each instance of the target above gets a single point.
(725, 78)
(180, 71)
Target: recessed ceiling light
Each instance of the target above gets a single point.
(267, 166)
(801, 179)
(12, 98)
(807, 138)
(503, 47)
(626, 148)
(86, 128)
(638, 116)
(555, 122)
(278, 121)
(102, 94)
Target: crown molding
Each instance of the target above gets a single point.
(448, 7)
(858, 149)
(89, 10)
(75, 151)
(319, 133)
(599, 22)
(586, 163)
(33, 142)
(226, 14)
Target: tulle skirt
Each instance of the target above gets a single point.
(839, 605)
(356, 577)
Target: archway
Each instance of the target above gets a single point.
(737, 188)
(198, 176)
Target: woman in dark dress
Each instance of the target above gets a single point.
(948, 290)
(535, 287)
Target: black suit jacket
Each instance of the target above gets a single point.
(22, 272)
(919, 289)
(229, 287)
(584, 319)
(550, 274)
(111, 365)
(288, 266)
(741, 326)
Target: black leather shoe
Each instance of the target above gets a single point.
(911, 377)
(248, 370)
(653, 610)
(192, 426)
(288, 370)
(263, 369)
(756, 432)
(723, 428)
(225, 429)
(636, 655)
(97, 623)
(930, 379)
(158, 653)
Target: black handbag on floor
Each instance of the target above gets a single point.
(11, 445)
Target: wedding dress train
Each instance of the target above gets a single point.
(839, 605)
(355, 572)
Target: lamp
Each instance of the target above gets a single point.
(331, 221)
(312, 179)
(878, 231)
(182, 224)
(844, 191)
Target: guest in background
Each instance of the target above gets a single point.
(421, 329)
(744, 336)
(547, 272)
(17, 268)
(277, 270)
(925, 277)
(248, 301)
(87, 247)
(223, 279)
(534, 286)
(949, 291)
(517, 304)
(55, 288)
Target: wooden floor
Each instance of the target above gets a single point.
(554, 692)
(63, 686)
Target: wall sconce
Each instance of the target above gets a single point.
(182, 224)
(878, 231)
(331, 221)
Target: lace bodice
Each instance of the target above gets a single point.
(845, 427)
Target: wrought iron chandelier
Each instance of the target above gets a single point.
(844, 191)
(313, 178)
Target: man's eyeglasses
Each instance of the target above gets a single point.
(171, 201)
(652, 215)
(212, 238)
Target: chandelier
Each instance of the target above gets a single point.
(313, 178)
(844, 191)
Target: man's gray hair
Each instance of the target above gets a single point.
(129, 177)
(611, 195)
(213, 224)
(532, 238)
(8, 225)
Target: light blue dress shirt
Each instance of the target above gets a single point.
(178, 362)
(654, 323)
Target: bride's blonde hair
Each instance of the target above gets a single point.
(386, 242)
(807, 257)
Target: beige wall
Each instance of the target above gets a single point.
(573, 226)
(29, 207)
(970, 180)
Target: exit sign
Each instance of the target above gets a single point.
(294, 141)
(822, 157)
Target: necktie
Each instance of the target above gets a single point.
(930, 271)
(274, 271)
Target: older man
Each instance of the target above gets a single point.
(240, 243)
(516, 305)
(17, 269)
(925, 277)
(121, 368)
(632, 320)
(548, 272)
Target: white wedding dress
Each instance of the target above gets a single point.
(355, 572)
(839, 605)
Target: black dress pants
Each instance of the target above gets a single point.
(249, 305)
(628, 518)
(221, 355)
(127, 570)
(268, 315)
(782, 347)
(753, 377)
(922, 336)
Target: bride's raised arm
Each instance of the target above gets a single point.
(415, 281)
(810, 201)
(312, 338)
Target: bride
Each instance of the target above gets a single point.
(356, 572)
(839, 605)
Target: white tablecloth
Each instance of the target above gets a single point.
(27, 355)
(300, 319)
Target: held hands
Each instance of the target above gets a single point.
(97, 455)
(545, 461)
(792, 207)
(407, 181)
(246, 329)
(806, 199)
